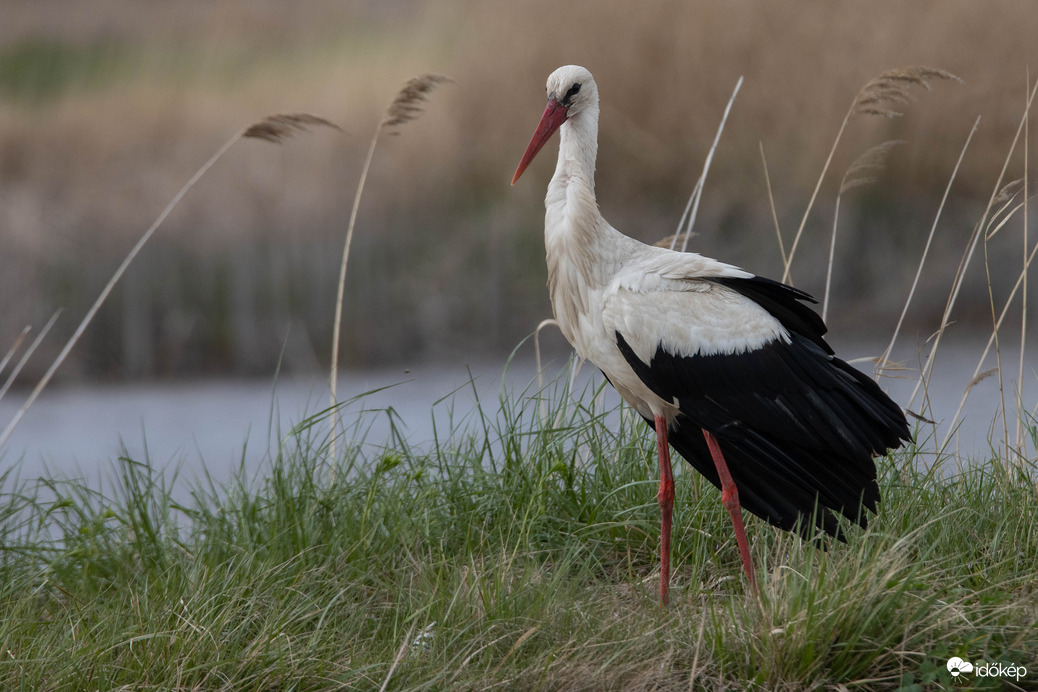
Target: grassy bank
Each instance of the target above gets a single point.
(517, 550)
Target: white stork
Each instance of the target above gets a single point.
(728, 367)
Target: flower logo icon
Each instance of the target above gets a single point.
(956, 666)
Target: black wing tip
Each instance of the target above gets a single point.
(797, 293)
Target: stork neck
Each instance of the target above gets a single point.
(578, 150)
(573, 222)
(576, 237)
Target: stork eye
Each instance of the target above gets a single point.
(573, 91)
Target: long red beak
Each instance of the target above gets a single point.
(554, 116)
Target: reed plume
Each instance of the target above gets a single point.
(876, 97)
(406, 106)
(866, 167)
(883, 92)
(277, 128)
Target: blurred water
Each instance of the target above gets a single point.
(212, 426)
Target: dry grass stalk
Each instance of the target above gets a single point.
(890, 87)
(946, 321)
(982, 224)
(699, 644)
(771, 204)
(25, 356)
(277, 128)
(697, 191)
(15, 346)
(265, 125)
(971, 248)
(575, 366)
(120, 270)
(996, 321)
(537, 358)
(1023, 306)
(863, 171)
(1007, 195)
(670, 242)
(884, 359)
(396, 659)
(405, 107)
(515, 647)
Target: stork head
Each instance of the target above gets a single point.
(571, 91)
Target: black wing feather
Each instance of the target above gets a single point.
(798, 427)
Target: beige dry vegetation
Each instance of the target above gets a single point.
(443, 244)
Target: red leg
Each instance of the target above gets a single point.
(666, 499)
(730, 499)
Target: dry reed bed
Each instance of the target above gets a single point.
(83, 169)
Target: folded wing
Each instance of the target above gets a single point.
(798, 427)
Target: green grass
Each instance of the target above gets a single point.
(509, 554)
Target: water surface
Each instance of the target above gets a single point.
(212, 426)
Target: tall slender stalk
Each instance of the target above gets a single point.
(28, 352)
(884, 359)
(771, 203)
(878, 97)
(697, 191)
(996, 323)
(863, 171)
(814, 194)
(964, 263)
(992, 339)
(832, 258)
(273, 129)
(120, 270)
(1020, 439)
(537, 358)
(337, 323)
(405, 107)
(14, 348)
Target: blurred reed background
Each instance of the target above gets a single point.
(108, 106)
